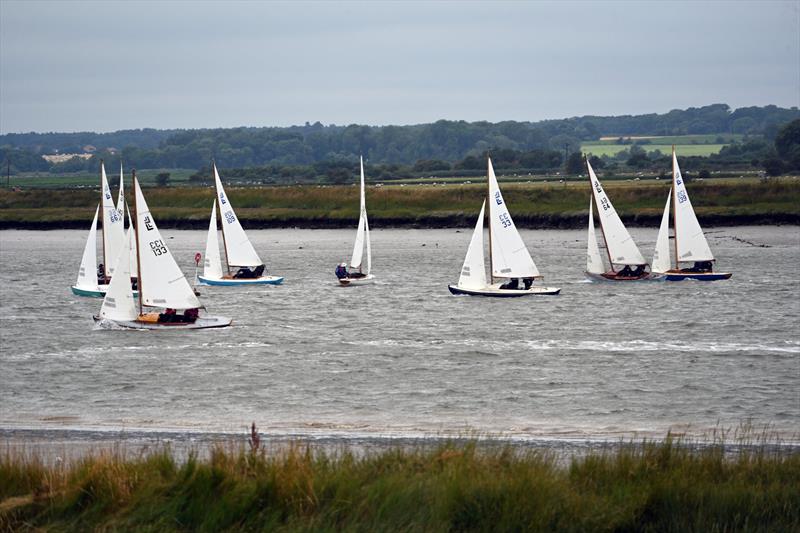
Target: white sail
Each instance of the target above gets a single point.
(121, 195)
(87, 274)
(690, 242)
(510, 257)
(161, 281)
(238, 247)
(594, 262)
(621, 247)
(212, 266)
(473, 272)
(661, 261)
(369, 247)
(363, 229)
(132, 247)
(113, 225)
(118, 302)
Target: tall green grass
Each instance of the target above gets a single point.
(670, 485)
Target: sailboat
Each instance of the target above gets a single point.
(355, 274)
(160, 280)
(239, 251)
(509, 259)
(112, 236)
(620, 247)
(690, 242)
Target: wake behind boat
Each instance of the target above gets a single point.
(160, 280)
(690, 242)
(239, 251)
(626, 262)
(355, 275)
(508, 256)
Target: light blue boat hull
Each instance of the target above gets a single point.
(265, 280)
(93, 293)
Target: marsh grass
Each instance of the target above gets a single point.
(674, 484)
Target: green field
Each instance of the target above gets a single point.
(671, 485)
(685, 145)
(45, 180)
(552, 204)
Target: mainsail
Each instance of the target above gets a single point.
(510, 257)
(473, 272)
(239, 250)
(87, 274)
(594, 262)
(661, 261)
(621, 248)
(690, 243)
(121, 195)
(113, 225)
(212, 266)
(134, 267)
(362, 233)
(118, 301)
(161, 281)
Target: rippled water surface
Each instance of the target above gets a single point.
(404, 357)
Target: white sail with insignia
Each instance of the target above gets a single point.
(161, 281)
(118, 302)
(238, 248)
(621, 247)
(510, 257)
(473, 272)
(212, 266)
(113, 225)
(594, 262)
(87, 274)
(661, 260)
(690, 242)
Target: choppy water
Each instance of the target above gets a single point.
(404, 357)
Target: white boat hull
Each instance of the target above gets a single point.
(203, 322)
(227, 282)
(366, 280)
(497, 292)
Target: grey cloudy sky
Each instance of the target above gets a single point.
(104, 66)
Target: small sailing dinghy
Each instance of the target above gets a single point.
(625, 260)
(509, 259)
(112, 235)
(239, 251)
(355, 274)
(690, 242)
(160, 280)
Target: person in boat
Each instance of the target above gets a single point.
(190, 315)
(702, 266)
(341, 270)
(101, 273)
(626, 272)
(528, 282)
(638, 271)
(246, 273)
(511, 284)
(169, 315)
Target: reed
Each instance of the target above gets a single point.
(670, 485)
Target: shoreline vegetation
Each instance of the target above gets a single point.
(734, 481)
(550, 205)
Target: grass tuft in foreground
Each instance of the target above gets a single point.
(670, 485)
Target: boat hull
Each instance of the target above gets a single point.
(204, 322)
(494, 292)
(365, 280)
(223, 282)
(609, 276)
(698, 276)
(98, 292)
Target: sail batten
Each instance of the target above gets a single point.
(622, 249)
(239, 249)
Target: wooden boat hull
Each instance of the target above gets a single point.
(203, 322)
(98, 292)
(677, 275)
(365, 280)
(609, 276)
(228, 282)
(495, 292)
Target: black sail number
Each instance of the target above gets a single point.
(158, 247)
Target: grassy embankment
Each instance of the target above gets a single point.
(555, 205)
(658, 486)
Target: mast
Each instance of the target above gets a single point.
(219, 208)
(488, 201)
(602, 229)
(675, 208)
(103, 223)
(138, 248)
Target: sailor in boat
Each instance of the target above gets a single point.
(528, 282)
(342, 273)
(171, 316)
(512, 284)
(101, 274)
(700, 266)
(246, 273)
